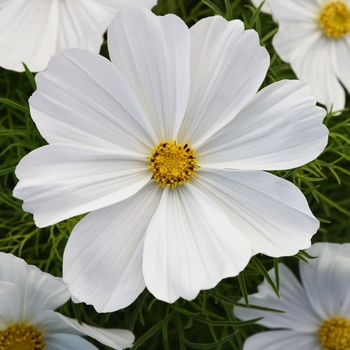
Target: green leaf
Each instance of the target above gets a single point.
(275, 263)
(333, 204)
(243, 287)
(153, 331)
(14, 105)
(264, 272)
(229, 14)
(30, 76)
(184, 311)
(268, 35)
(226, 323)
(213, 7)
(229, 301)
(9, 201)
(211, 345)
(256, 12)
(7, 170)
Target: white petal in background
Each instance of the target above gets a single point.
(29, 30)
(102, 262)
(312, 56)
(271, 212)
(115, 338)
(190, 245)
(38, 290)
(280, 128)
(340, 58)
(313, 64)
(33, 30)
(60, 181)
(62, 332)
(225, 75)
(299, 315)
(153, 54)
(82, 98)
(286, 340)
(326, 279)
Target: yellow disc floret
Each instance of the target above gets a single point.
(173, 164)
(21, 337)
(334, 334)
(334, 19)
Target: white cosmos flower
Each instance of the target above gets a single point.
(28, 297)
(317, 309)
(34, 30)
(314, 37)
(265, 8)
(173, 103)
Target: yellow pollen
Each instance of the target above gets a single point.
(21, 337)
(334, 334)
(173, 164)
(334, 19)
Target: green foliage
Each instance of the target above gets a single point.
(206, 322)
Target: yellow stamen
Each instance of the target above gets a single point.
(172, 164)
(334, 19)
(21, 337)
(334, 334)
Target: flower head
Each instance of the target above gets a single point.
(314, 37)
(317, 309)
(28, 297)
(34, 30)
(165, 146)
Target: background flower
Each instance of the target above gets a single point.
(319, 56)
(28, 297)
(317, 310)
(103, 122)
(33, 30)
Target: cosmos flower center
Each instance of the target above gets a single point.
(21, 337)
(334, 19)
(173, 164)
(334, 334)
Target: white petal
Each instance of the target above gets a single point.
(10, 304)
(227, 67)
(341, 56)
(280, 128)
(38, 290)
(60, 181)
(50, 322)
(312, 59)
(271, 212)
(297, 13)
(327, 279)
(33, 30)
(299, 315)
(115, 338)
(29, 30)
(83, 99)
(153, 54)
(190, 245)
(286, 340)
(102, 262)
(67, 342)
(301, 42)
(4, 3)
